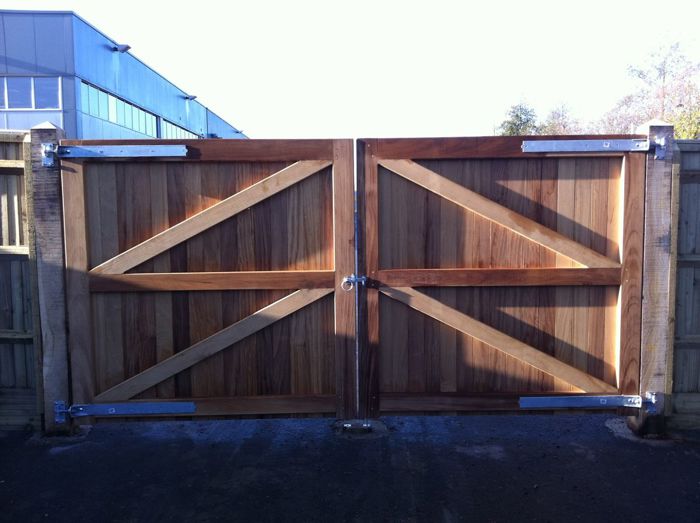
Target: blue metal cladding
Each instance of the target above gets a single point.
(220, 129)
(127, 77)
(35, 43)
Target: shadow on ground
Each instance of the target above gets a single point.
(480, 468)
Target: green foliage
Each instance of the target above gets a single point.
(521, 120)
(686, 123)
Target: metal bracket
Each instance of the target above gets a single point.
(137, 408)
(659, 148)
(589, 402)
(585, 146)
(349, 282)
(580, 402)
(51, 151)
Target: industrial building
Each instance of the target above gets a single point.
(56, 67)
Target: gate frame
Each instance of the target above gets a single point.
(47, 246)
(311, 156)
(634, 376)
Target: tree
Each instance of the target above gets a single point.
(521, 120)
(667, 89)
(560, 121)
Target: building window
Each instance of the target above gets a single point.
(101, 104)
(46, 93)
(171, 131)
(26, 92)
(19, 93)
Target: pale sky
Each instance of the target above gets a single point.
(315, 69)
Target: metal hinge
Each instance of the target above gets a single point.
(51, 151)
(62, 411)
(596, 146)
(349, 282)
(590, 402)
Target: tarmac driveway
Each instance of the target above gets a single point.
(478, 468)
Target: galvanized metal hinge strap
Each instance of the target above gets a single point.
(590, 402)
(51, 151)
(62, 411)
(596, 146)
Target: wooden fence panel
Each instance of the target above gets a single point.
(686, 376)
(17, 352)
(496, 274)
(212, 278)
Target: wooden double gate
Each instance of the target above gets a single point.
(492, 274)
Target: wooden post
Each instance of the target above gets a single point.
(658, 284)
(344, 249)
(368, 265)
(46, 248)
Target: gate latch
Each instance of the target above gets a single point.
(135, 408)
(349, 282)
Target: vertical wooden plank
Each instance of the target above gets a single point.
(111, 347)
(13, 211)
(614, 240)
(19, 349)
(546, 295)
(564, 296)
(48, 251)
(4, 212)
(177, 212)
(7, 365)
(596, 349)
(163, 300)
(77, 293)
(630, 307)
(347, 386)
(205, 307)
(658, 288)
(367, 185)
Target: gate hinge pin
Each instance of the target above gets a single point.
(649, 402)
(48, 154)
(659, 148)
(349, 282)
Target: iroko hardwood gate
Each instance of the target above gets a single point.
(495, 274)
(492, 274)
(213, 277)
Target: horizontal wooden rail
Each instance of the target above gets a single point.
(223, 150)
(14, 250)
(470, 147)
(14, 336)
(11, 164)
(211, 281)
(12, 136)
(498, 277)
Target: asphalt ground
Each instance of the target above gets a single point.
(468, 468)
